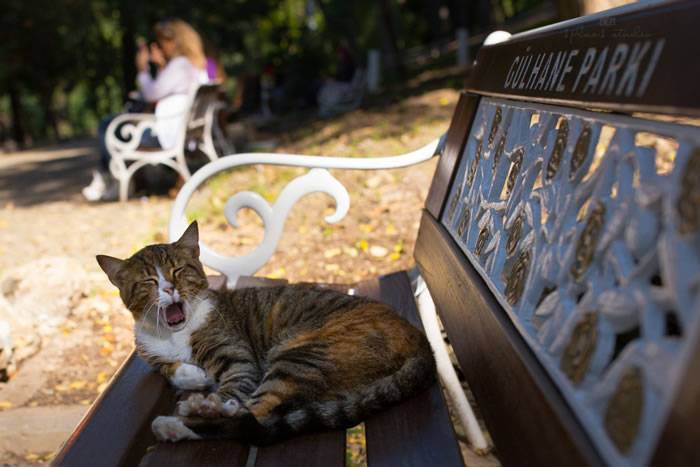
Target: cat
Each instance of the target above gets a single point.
(282, 360)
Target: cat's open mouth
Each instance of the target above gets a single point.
(174, 314)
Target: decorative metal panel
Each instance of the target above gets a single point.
(586, 227)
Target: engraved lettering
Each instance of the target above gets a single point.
(511, 72)
(556, 70)
(629, 77)
(535, 70)
(650, 68)
(543, 74)
(567, 69)
(594, 79)
(585, 66)
(618, 58)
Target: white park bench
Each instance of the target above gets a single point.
(181, 123)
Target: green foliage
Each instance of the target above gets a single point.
(69, 62)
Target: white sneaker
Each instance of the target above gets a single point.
(96, 189)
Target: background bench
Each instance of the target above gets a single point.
(559, 244)
(191, 119)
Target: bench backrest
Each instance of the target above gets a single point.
(562, 245)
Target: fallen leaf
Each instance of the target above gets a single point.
(277, 273)
(395, 256)
(362, 245)
(350, 251)
(101, 377)
(78, 384)
(378, 251)
(366, 228)
(5, 404)
(331, 253)
(391, 230)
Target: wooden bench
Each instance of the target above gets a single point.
(185, 122)
(560, 245)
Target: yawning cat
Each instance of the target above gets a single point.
(281, 360)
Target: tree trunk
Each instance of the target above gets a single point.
(567, 9)
(49, 113)
(18, 133)
(347, 28)
(128, 46)
(389, 33)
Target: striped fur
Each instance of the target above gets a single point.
(294, 357)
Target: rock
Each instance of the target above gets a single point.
(35, 299)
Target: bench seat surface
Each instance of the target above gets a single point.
(116, 430)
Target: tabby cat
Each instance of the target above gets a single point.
(281, 360)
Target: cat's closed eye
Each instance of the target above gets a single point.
(176, 272)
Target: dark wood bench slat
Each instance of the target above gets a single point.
(526, 415)
(454, 147)
(117, 429)
(417, 432)
(312, 450)
(190, 453)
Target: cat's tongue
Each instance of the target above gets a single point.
(174, 314)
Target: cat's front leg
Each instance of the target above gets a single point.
(186, 376)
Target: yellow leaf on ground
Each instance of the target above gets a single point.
(391, 230)
(5, 404)
(277, 273)
(444, 101)
(101, 377)
(362, 245)
(107, 328)
(85, 402)
(366, 228)
(78, 384)
(395, 256)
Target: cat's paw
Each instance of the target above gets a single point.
(171, 429)
(190, 377)
(210, 407)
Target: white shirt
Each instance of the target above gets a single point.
(179, 76)
(171, 89)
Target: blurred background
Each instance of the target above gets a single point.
(67, 63)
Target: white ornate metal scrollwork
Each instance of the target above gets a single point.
(273, 217)
(587, 231)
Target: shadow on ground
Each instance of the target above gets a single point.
(39, 181)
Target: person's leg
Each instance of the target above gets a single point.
(102, 140)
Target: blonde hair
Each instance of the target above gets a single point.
(187, 41)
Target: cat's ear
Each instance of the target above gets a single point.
(111, 266)
(190, 239)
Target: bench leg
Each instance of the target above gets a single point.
(428, 315)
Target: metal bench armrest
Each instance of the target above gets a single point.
(318, 179)
(124, 133)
